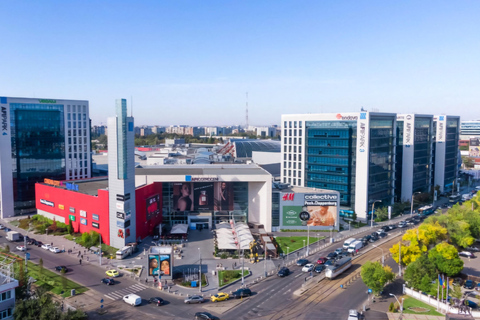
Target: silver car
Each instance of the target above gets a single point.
(194, 299)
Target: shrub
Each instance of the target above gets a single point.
(224, 256)
(391, 307)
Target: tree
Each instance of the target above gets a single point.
(382, 214)
(42, 307)
(21, 292)
(70, 227)
(40, 267)
(375, 276)
(468, 162)
(420, 272)
(446, 260)
(354, 216)
(7, 248)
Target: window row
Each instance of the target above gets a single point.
(328, 143)
(328, 160)
(79, 140)
(74, 148)
(5, 314)
(290, 149)
(77, 172)
(285, 163)
(326, 133)
(69, 125)
(327, 178)
(6, 295)
(285, 141)
(289, 132)
(328, 151)
(289, 156)
(74, 132)
(73, 116)
(295, 173)
(289, 181)
(75, 108)
(288, 124)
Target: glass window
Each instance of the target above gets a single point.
(84, 115)
(295, 132)
(74, 116)
(295, 124)
(74, 109)
(300, 125)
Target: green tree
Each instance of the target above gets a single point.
(21, 292)
(40, 268)
(417, 271)
(86, 239)
(7, 248)
(70, 227)
(375, 276)
(446, 260)
(381, 213)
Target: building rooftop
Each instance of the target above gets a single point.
(202, 169)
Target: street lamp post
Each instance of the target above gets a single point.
(318, 237)
(411, 206)
(304, 243)
(383, 258)
(400, 304)
(308, 238)
(373, 207)
(200, 269)
(287, 253)
(349, 225)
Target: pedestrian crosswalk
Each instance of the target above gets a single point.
(118, 294)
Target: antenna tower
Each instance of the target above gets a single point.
(246, 112)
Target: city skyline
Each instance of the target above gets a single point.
(188, 64)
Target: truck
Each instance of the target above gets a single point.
(13, 236)
(348, 242)
(354, 246)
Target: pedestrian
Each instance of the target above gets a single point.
(146, 280)
(80, 261)
(81, 256)
(88, 259)
(84, 251)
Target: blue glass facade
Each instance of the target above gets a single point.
(330, 156)
(38, 148)
(451, 150)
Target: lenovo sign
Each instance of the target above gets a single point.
(340, 117)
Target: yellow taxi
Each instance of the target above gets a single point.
(112, 273)
(221, 296)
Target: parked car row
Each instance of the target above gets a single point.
(50, 248)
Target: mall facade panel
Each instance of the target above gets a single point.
(414, 166)
(352, 153)
(202, 195)
(447, 159)
(41, 139)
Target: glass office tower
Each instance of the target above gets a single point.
(447, 159)
(41, 139)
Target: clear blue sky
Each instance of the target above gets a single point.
(191, 62)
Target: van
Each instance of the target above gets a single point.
(357, 245)
(132, 299)
(348, 242)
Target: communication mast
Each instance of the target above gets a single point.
(246, 113)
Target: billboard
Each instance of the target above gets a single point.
(203, 196)
(321, 207)
(159, 265)
(153, 206)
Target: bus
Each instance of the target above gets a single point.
(455, 198)
(426, 210)
(338, 267)
(124, 252)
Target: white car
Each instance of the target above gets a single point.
(21, 248)
(2, 227)
(46, 246)
(54, 250)
(466, 254)
(308, 267)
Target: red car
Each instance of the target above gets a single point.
(322, 260)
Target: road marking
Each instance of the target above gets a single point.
(298, 275)
(118, 294)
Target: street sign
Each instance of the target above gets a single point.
(369, 290)
(101, 301)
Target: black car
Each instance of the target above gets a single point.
(205, 316)
(328, 263)
(302, 262)
(382, 235)
(283, 272)
(39, 243)
(469, 284)
(366, 238)
(241, 293)
(331, 255)
(156, 300)
(60, 268)
(31, 241)
(385, 228)
(319, 268)
(374, 235)
(392, 226)
(108, 281)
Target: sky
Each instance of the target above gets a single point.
(193, 62)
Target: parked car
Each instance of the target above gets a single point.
(60, 268)
(319, 268)
(283, 272)
(241, 293)
(54, 249)
(385, 228)
(46, 246)
(469, 284)
(221, 296)
(392, 226)
(366, 238)
(328, 263)
(466, 254)
(39, 243)
(112, 273)
(331, 255)
(2, 227)
(473, 249)
(302, 262)
(108, 281)
(402, 224)
(379, 231)
(21, 248)
(194, 299)
(373, 239)
(471, 304)
(382, 235)
(308, 267)
(205, 316)
(322, 260)
(156, 300)
(31, 241)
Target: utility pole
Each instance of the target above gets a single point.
(265, 264)
(100, 252)
(243, 266)
(308, 238)
(200, 269)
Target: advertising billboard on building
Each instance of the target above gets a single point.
(321, 207)
(153, 206)
(203, 196)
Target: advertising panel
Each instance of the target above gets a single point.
(203, 196)
(95, 225)
(83, 221)
(322, 216)
(83, 213)
(291, 216)
(159, 265)
(153, 206)
(322, 209)
(95, 217)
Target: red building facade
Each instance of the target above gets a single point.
(89, 212)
